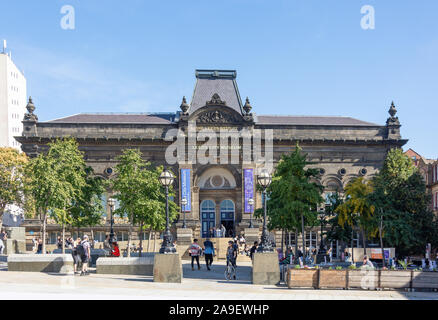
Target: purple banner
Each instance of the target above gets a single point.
(248, 175)
(185, 190)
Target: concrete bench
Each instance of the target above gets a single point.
(135, 265)
(58, 263)
(95, 254)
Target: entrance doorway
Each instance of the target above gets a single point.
(208, 212)
(227, 217)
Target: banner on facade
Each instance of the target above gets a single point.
(185, 190)
(248, 175)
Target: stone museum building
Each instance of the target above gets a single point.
(217, 192)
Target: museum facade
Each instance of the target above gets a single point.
(216, 145)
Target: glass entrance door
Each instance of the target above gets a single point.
(227, 217)
(208, 212)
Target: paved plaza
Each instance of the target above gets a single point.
(197, 285)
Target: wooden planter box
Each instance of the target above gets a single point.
(424, 280)
(395, 279)
(334, 279)
(302, 278)
(363, 279)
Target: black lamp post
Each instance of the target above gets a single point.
(251, 205)
(183, 208)
(111, 203)
(321, 250)
(166, 179)
(264, 179)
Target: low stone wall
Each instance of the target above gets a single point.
(135, 265)
(95, 254)
(58, 263)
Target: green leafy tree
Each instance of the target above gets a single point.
(400, 195)
(358, 208)
(88, 208)
(336, 231)
(293, 194)
(140, 194)
(12, 179)
(58, 177)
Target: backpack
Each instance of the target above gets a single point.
(194, 250)
(80, 250)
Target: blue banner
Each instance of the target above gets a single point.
(185, 190)
(248, 188)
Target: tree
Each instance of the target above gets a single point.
(358, 207)
(138, 190)
(12, 179)
(401, 196)
(88, 207)
(57, 180)
(293, 194)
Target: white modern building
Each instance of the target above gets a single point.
(13, 101)
(13, 98)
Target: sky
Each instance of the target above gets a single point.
(292, 57)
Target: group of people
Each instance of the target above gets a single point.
(220, 232)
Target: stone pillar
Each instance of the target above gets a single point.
(167, 268)
(266, 268)
(251, 235)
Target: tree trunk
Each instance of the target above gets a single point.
(155, 238)
(44, 232)
(63, 238)
(149, 238)
(364, 242)
(128, 252)
(296, 241)
(303, 233)
(141, 239)
(282, 241)
(381, 241)
(2, 212)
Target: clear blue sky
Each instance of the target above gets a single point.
(292, 57)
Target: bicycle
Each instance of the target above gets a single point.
(230, 271)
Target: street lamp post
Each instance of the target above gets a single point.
(111, 203)
(321, 243)
(251, 204)
(166, 179)
(183, 207)
(264, 179)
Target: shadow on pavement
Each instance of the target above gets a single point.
(217, 273)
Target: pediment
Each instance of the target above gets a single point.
(212, 115)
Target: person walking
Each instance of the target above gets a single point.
(232, 256)
(75, 255)
(253, 250)
(40, 247)
(195, 252)
(85, 255)
(208, 252)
